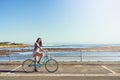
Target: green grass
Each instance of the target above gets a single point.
(9, 43)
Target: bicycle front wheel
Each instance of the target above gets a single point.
(28, 65)
(51, 65)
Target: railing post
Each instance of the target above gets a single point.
(81, 56)
(9, 57)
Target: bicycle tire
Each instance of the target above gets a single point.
(26, 66)
(51, 65)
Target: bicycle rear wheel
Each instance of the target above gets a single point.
(28, 65)
(51, 65)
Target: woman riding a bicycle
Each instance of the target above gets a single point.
(38, 52)
(40, 58)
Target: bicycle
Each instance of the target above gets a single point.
(51, 65)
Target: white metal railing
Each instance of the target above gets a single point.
(80, 56)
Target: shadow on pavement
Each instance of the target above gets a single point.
(12, 71)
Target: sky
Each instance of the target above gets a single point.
(60, 21)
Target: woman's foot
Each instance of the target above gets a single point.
(39, 62)
(35, 70)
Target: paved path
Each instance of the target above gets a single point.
(65, 72)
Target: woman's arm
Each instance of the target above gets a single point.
(39, 46)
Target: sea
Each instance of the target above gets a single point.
(66, 55)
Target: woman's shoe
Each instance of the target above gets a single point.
(35, 70)
(39, 62)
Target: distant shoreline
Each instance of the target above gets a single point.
(14, 46)
(96, 49)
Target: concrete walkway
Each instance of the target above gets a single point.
(65, 71)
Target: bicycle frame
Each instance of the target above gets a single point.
(45, 59)
(51, 65)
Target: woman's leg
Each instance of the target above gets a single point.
(35, 67)
(36, 58)
(41, 57)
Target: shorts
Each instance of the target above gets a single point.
(35, 53)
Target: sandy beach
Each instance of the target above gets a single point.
(96, 49)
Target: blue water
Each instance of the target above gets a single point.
(66, 46)
(66, 56)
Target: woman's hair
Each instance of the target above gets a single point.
(40, 41)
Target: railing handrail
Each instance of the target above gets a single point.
(81, 56)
